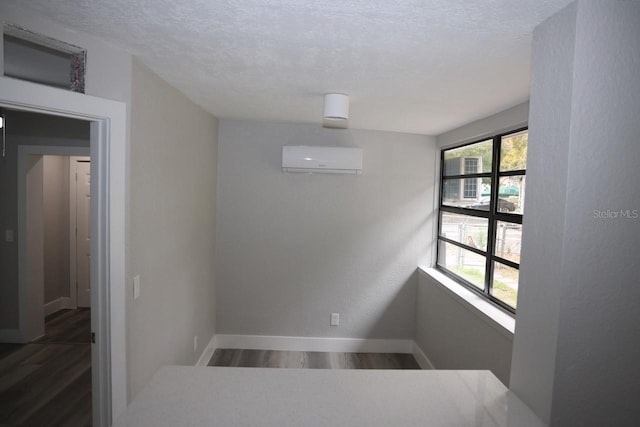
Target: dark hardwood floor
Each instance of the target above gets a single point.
(311, 359)
(48, 382)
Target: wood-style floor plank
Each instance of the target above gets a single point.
(6, 349)
(17, 357)
(48, 381)
(311, 359)
(37, 389)
(68, 326)
(63, 408)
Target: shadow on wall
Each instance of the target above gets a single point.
(402, 303)
(399, 270)
(383, 306)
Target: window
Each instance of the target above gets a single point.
(41, 59)
(482, 195)
(470, 184)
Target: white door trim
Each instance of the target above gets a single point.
(73, 291)
(109, 154)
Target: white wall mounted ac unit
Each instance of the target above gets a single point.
(316, 159)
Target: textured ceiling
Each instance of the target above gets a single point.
(408, 65)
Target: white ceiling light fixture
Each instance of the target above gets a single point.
(336, 111)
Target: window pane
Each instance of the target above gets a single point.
(513, 151)
(505, 284)
(474, 158)
(511, 194)
(508, 239)
(467, 193)
(466, 264)
(470, 230)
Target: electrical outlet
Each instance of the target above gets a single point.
(195, 343)
(136, 287)
(335, 319)
(8, 236)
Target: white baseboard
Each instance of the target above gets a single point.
(421, 358)
(56, 305)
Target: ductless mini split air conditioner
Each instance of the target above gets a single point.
(317, 159)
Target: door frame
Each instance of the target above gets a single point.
(108, 150)
(73, 289)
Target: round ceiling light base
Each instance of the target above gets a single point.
(336, 111)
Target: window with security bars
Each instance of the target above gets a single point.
(480, 233)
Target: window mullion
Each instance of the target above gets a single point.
(469, 175)
(493, 208)
(463, 246)
(513, 172)
(506, 262)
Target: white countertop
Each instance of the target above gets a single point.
(211, 396)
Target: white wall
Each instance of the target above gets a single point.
(547, 168)
(34, 267)
(293, 248)
(504, 121)
(56, 227)
(576, 351)
(455, 336)
(173, 199)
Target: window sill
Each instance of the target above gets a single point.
(499, 319)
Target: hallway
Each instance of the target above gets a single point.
(48, 381)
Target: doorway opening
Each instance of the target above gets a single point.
(50, 373)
